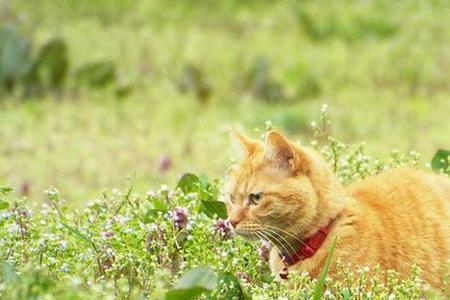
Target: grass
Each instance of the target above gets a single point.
(389, 91)
(125, 245)
(195, 69)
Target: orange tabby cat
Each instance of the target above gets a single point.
(286, 194)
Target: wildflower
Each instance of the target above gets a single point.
(223, 227)
(63, 245)
(128, 230)
(110, 252)
(264, 251)
(154, 234)
(123, 220)
(24, 213)
(7, 215)
(165, 162)
(42, 242)
(327, 294)
(242, 276)
(65, 268)
(179, 217)
(108, 234)
(164, 188)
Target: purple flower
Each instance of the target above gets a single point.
(264, 251)
(243, 277)
(25, 189)
(223, 227)
(180, 217)
(108, 234)
(24, 213)
(165, 162)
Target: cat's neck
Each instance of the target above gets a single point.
(332, 201)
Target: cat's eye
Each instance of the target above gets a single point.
(231, 198)
(254, 198)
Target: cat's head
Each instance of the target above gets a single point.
(277, 188)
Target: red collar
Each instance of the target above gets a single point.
(309, 247)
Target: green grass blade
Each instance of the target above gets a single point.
(318, 290)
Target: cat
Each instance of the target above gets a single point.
(286, 194)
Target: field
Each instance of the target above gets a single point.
(368, 79)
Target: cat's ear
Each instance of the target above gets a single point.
(282, 154)
(248, 145)
(278, 151)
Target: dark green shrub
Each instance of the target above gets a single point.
(192, 80)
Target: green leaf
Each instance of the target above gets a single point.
(320, 285)
(77, 233)
(185, 294)
(5, 189)
(8, 272)
(15, 57)
(159, 205)
(3, 204)
(52, 63)
(346, 294)
(188, 183)
(441, 160)
(97, 74)
(227, 280)
(214, 207)
(193, 284)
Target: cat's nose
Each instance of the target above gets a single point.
(234, 222)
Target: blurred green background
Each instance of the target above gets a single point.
(94, 91)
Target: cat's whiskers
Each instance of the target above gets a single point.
(272, 233)
(270, 237)
(286, 232)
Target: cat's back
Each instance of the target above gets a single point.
(404, 189)
(408, 211)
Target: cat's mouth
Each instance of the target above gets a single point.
(248, 235)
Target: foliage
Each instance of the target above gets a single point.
(47, 70)
(378, 63)
(156, 246)
(260, 82)
(34, 73)
(369, 20)
(192, 80)
(96, 74)
(441, 161)
(374, 83)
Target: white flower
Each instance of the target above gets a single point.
(63, 245)
(42, 242)
(328, 294)
(13, 228)
(123, 220)
(65, 268)
(110, 252)
(128, 230)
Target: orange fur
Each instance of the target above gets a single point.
(394, 220)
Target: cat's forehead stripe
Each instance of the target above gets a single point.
(242, 181)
